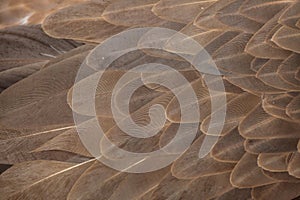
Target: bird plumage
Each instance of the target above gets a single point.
(255, 45)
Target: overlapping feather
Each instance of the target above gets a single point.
(255, 45)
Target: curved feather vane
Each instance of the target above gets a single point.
(180, 11)
(281, 176)
(29, 186)
(229, 148)
(293, 167)
(128, 12)
(274, 162)
(287, 38)
(23, 45)
(218, 184)
(162, 191)
(292, 109)
(276, 105)
(257, 63)
(263, 10)
(288, 69)
(252, 84)
(260, 125)
(255, 46)
(261, 44)
(230, 15)
(23, 12)
(111, 184)
(281, 190)
(88, 17)
(11, 76)
(238, 61)
(173, 110)
(271, 145)
(247, 174)
(67, 141)
(207, 18)
(198, 167)
(21, 148)
(238, 194)
(28, 98)
(236, 110)
(290, 15)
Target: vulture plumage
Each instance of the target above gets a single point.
(255, 46)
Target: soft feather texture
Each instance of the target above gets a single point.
(255, 45)
(20, 12)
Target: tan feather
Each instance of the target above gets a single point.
(254, 45)
(287, 38)
(293, 167)
(28, 98)
(236, 110)
(189, 165)
(207, 18)
(260, 125)
(68, 141)
(237, 61)
(263, 10)
(22, 45)
(12, 76)
(247, 174)
(255, 146)
(163, 191)
(180, 11)
(19, 148)
(274, 162)
(257, 63)
(216, 185)
(252, 84)
(290, 15)
(214, 83)
(111, 184)
(229, 148)
(20, 12)
(132, 13)
(85, 27)
(275, 105)
(280, 191)
(43, 183)
(260, 45)
(288, 69)
(230, 15)
(292, 109)
(281, 176)
(237, 194)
